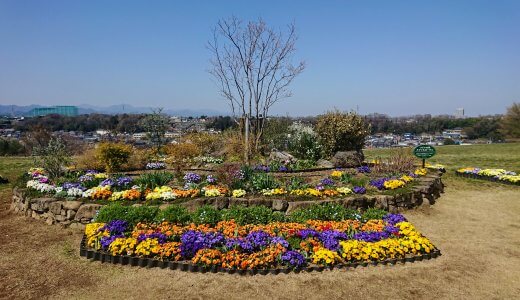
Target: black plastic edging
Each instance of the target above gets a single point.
(190, 267)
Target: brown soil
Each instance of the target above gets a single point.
(476, 227)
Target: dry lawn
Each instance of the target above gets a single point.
(475, 224)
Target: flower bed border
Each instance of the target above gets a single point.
(487, 178)
(187, 266)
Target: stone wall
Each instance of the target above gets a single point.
(77, 213)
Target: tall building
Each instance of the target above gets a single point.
(459, 112)
(63, 110)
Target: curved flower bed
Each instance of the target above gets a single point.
(497, 175)
(277, 246)
(100, 186)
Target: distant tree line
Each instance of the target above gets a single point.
(474, 127)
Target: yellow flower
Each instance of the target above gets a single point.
(336, 174)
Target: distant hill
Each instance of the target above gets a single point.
(112, 110)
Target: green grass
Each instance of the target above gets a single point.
(506, 156)
(12, 168)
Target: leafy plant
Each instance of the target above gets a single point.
(303, 164)
(296, 183)
(260, 181)
(359, 181)
(174, 214)
(373, 214)
(154, 179)
(131, 214)
(206, 215)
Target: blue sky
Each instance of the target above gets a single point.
(393, 57)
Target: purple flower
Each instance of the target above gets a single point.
(371, 236)
(320, 187)
(124, 181)
(359, 190)
(240, 243)
(115, 227)
(161, 237)
(283, 169)
(70, 185)
(192, 241)
(192, 178)
(211, 179)
(280, 240)
(306, 233)
(84, 178)
(258, 239)
(108, 182)
(393, 219)
(107, 240)
(262, 168)
(364, 169)
(327, 182)
(43, 180)
(239, 175)
(91, 172)
(331, 238)
(378, 183)
(155, 166)
(294, 259)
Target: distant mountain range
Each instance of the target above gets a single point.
(16, 110)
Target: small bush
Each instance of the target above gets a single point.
(131, 214)
(182, 152)
(53, 157)
(338, 131)
(304, 143)
(11, 147)
(113, 155)
(206, 215)
(174, 214)
(89, 161)
(400, 161)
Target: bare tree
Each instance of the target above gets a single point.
(252, 64)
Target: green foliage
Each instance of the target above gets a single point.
(206, 215)
(154, 179)
(303, 164)
(296, 183)
(113, 155)
(174, 214)
(276, 133)
(325, 212)
(260, 181)
(131, 214)
(11, 147)
(53, 157)
(374, 214)
(303, 142)
(251, 215)
(359, 180)
(339, 131)
(510, 122)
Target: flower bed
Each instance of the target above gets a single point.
(252, 248)
(497, 175)
(100, 186)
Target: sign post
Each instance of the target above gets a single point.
(423, 152)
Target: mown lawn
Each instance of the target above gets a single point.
(506, 156)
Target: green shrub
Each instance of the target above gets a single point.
(325, 212)
(296, 183)
(114, 211)
(359, 181)
(303, 164)
(53, 157)
(155, 179)
(131, 214)
(338, 131)
(303, 142)
(174, 214)
(113, 155)
(206, 215)
(374, 214)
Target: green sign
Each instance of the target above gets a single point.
(424, 151)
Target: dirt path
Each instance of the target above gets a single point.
(476, 226)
